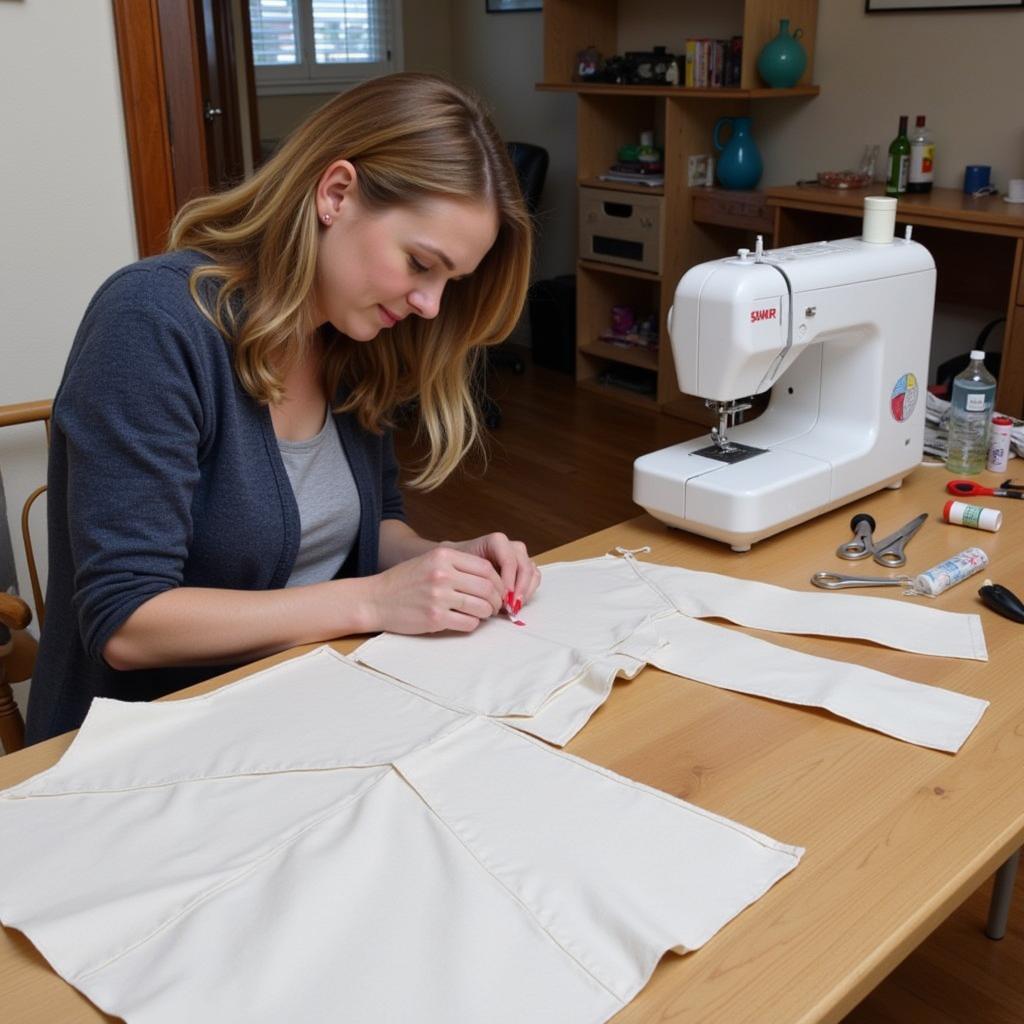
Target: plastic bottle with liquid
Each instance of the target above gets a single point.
(899, 161)
(970, 417)
(922, 158)
(648, 152)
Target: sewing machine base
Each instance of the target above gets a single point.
(742, 503)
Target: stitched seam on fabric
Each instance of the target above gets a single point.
(256, 770)
(291, 769)
(227, 883)
(676, 802)
(508, 890)
(164, 783)
(581, 666)
(583, 663)
(634, 564)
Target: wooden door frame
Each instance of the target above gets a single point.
(144, 94)
(163, 110)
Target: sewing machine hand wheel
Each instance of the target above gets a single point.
(862, 544)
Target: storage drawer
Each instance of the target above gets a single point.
(621, 227)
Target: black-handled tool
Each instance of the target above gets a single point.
(1002, 601)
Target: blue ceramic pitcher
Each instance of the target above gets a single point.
(739, 162)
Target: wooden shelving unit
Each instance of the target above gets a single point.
(683, 120)
(675, 91)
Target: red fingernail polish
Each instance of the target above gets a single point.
(517, 606)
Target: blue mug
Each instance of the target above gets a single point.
(976, 176)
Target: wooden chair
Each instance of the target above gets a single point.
(18, 647)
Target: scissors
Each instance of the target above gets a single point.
(968, 488)
(863, 543)
(887, 552)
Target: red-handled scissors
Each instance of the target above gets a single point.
(968, 488)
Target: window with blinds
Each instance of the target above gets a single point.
(310, 45)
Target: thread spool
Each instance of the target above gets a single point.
(879, 220)
(959, 513)
(999, 444)
(976, 176)
(941, 577)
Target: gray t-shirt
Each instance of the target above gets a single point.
(328, 504)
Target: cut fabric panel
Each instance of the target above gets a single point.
(901, 625)
(925, 715)
(584, 611)
(350, 850)
(654, 628)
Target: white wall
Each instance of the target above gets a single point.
(500, 56)
(961, 69)
(67, 211)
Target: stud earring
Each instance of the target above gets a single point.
(326, 218)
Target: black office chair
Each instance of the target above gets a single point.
(531, 164)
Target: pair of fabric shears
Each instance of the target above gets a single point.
(968, 488)
(889, 551)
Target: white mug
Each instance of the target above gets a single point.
(1015, 190)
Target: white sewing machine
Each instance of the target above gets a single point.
(840, 331)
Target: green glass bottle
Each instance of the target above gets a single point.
(899, 161)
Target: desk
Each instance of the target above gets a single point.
(978, 245)
(896, 836)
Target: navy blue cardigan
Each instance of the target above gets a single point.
(164, 473)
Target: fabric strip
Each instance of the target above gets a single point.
(900, 624)
(596, 628)
(925, 715)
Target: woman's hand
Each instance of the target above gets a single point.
(444, 588)
(519, 576)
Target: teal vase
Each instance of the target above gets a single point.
(739, 163)
(782, 61)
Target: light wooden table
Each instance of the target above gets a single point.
(896, 836)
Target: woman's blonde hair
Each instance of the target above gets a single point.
(411, 137)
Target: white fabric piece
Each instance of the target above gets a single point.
(925, 715)
(577, 619)
(902, 625)
(512, 670)
(318, 843)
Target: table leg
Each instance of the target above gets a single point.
(1002, 897)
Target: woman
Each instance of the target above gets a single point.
(222, 483)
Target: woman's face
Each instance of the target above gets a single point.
(375, 268)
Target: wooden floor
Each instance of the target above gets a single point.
(560, 466)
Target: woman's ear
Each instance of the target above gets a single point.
(337, 191)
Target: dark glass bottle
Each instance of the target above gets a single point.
(899, 161)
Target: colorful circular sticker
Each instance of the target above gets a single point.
(904, 397)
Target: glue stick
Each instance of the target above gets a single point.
(941, 577)
(959, 513)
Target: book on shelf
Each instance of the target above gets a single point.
(713, 63)
(632, 178)
(634, 340)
